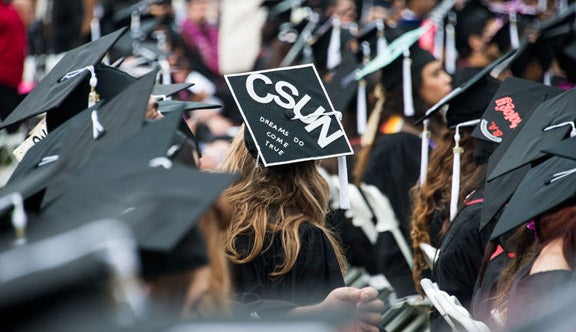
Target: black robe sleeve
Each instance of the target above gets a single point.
(315, 273)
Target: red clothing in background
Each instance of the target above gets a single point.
(12, 46)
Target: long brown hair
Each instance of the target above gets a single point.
(273, 201)
(433, 197)
(558, 223)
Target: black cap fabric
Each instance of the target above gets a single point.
(70, 279)
(288, 114)
(538, 134)
(322, 37)
(478, 79)
(392, 73)
(470, 104)
(342, 94)
(565, 148)
(161, 90)
(167, 106)
(512, 103)
(120, 117)
(544, 187)
(160, 205)
(52, 94)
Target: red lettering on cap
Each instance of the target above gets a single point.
(495, 130)
(507, 107)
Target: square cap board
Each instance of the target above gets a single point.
(289, 115)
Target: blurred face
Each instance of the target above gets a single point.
(436, 83)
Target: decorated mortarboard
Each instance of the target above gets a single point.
(289, 116)
(58, 91)
(512, 103)
(109, 124)
(544, 187)
(519, 99)
(551, 122)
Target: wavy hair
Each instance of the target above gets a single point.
(433, 198)
(273, 201)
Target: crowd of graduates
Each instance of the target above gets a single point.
(326, 165)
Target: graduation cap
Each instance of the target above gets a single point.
(508, 112)
(163, 91)
(66, 278)
(112, 122)
(512, 103)
(65, 88)
(545, 186)
(167, 106)
(293, 122)
(160, 201)
(552, 36)
(551, 122)
(328, 41)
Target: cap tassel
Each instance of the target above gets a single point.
(560, 175)
(439, 41)
(343, 183)
(451, 52)
(381, 42)
(547, 79)
(563, 124)
(424, 152)
(407, 84)
(334, 55)
(95, 32)
(374, 120)
(19, 219)
(361, 107)
(455, 193)
(93, 97)
(514, 38)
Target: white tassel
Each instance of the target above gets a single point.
(514, 38)
(424, 152)
(361, 113)
(361, 104)
(334, 56)
(454, 195)
(451, 53)
(543, 5)
(381, 42)
(19, 219)
(97, 128)
(439, 41)
(95, 32)
(407, 87)
(563, 124)
(343, 182)
(547, 79)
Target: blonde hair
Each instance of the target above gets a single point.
(273, 201)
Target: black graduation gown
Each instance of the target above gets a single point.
(530, 292)
(461, 252)
(394, 168)
(460, 256)
(315, 273)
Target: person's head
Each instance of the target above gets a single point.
(271, 200)
(430, 82)
(474, 36)
(421, 8)
(199, 10)
(344, 9)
